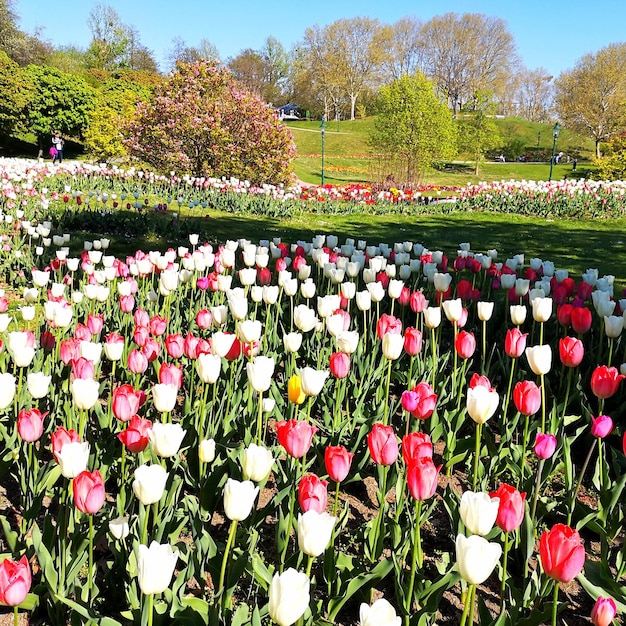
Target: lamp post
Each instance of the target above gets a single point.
(538, 142)
(555, 136)
(323, 132)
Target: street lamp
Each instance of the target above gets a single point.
(555, 136)
(538, 142)
(323, 132)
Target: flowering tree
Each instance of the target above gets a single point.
(200, 122)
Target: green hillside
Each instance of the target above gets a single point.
(347, 154)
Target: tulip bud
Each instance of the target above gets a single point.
(476, 558)
(155, 566)
(239, 499)
(256, 462)
(288, 597)
(206, 450)
(381, 613)
(314, 531)
(478, 512)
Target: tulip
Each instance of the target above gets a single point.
(476, 558)
(539, 358)
(518, 314)
(314, 531)
(542, 309)
(288, 597)
(613, 326)
(416, 446)
(604, 611)
(605, 381)
(260, 372)
(465, 344)
(38, 384)
(424, 401)
(422, 477)
(137, 434)
(155, 565)
(562, 553)
(571, 351)
(149, 483)
(126, 402)
(170, 374)
(337, 460)
(412, 341)
(165, 439)
(7, 390)
(257, 462)
(88, 490)
(209, 367)
(382, 444)
(339, 364)
(137, 362)
(392, 346)
(312, 380)
(295, 436)
(481, 403)
(15, 581)
(515, 343)
(30, 424)
(292, 342)
(478, 512)
(581, 319)
(432, 317)
(601, 426)
(119, 527)
(249, 331)
(73, 458)
(304, 318)
(294, 390)
(113, 347)
(388, 324)
(527, 397)
(239, 499)
(312, 493)
(511, 509)
(545, 445)
(453, 309)
(206, 450)
(381, 613)
(164, 397)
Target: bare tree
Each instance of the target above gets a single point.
(533, 95)
(110, 41)
(180, 51)
(468, 53)
(404, 48)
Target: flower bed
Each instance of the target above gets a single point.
(333, 431)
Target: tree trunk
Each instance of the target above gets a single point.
(598, 155)
(353, 98)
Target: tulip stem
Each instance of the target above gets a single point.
(508, 393)
(555, 602)
(537, 485)
(476, 455)
(144, 529)
(309, 565)
(504, 571)
(386, 398)
(336, 499)
(229, 543)
(418, 557)
(469, 601)
(16, 618)
(90, 570)
(578, 483)
(148, 608)
(433, 350)
(259, 420)
(543, 402)
(567, 390)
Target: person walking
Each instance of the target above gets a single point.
(57, 142)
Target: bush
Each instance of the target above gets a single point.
(200, 122)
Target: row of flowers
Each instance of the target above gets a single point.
(180, 415)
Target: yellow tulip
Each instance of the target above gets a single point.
(294, 390)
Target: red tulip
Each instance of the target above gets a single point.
(15, 581)
(478, 380)
(88, 488)
(140, 335)
(527, 397)
(415, 446)
(83, 368)
(126, 402)
(425, 400)
(295, 436)
(60, 437)
(339, 364)
(151, 349)
(601, 426)
(515, 343)
(418, 302)
(204, 319)
(338, 461)
(137, 362)
(30, 424)
(382, 444)
(174, 346)
(264, 276)
(312, 493)
(127, 303)
(141, 318)
(412, 341)
(564, 315)
(605, 381)
(157, 325)
(422, 477)
(136, 435)
(571, 351)
(95, 323)
(47, 341)
(511, 509)
(190, 346)
(69, 350)
(170, 374)
(82, 333)
(388, 324)
(545, 445)
(465, 344)
(604, 611)
(562, 553)
(581, 319)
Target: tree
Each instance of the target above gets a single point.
(466, 54)
(478, 132)
(413, 127)
(590, 98)
(248, 68)
(533, 95)
(61, 102)
(345, 57)
(201, 122)
(405, 48)
(111, 39)
(17, 92)
(612, 165)
(180, 51)
(276, 70)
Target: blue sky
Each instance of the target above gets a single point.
(552, 34)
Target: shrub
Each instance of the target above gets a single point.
(200, 122)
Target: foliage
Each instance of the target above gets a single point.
(200, 122)
(413, 126)
(61, 102)
(115, 105)
(16, 93)
(590, 97)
